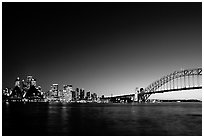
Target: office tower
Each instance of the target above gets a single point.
(82, 94)
(88, 95)
(61, 93)
(24, 87)
(16, 92)
(67, 88)
(6, 92)
(17, 82)
(94, 97)
(33, 82)
(40, 90)
(74, 96)
(77, 93)
(67, 91)
(29, 79)
(54, 89)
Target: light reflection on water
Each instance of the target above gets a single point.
(103, 119)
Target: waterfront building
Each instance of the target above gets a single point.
(67, 92)
(74, 96)
(6, 92)
(24, 88)
(40, 90)
(16, 92)
(33, 92)
(61, 93)
(104, 99)
(88, 95)
(67, 87)
(17, 82)
(82, 94)
(54, 89)
(77, 94)
(24, 85)
(29, 79)
(33, 82)
(94, 97)
(49, 94)
(68, 97)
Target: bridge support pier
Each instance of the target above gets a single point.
(141, 96)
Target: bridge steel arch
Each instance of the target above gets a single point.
(176, 75)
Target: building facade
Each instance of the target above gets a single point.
(54, 90)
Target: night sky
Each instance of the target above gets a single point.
(108, 48)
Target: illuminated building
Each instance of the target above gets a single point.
(88, 95)
(6, 92)
(33, 82)
(77, 93)
(67, 88)
(67, 92)
(74, 96)
(94, 97)
(82, 94)
(61, 93)
(16, 92)
(17, 82)
(40, 90)
(49, 94)
(54, 89)
(29, 79)
(23, 83)
(24, 88)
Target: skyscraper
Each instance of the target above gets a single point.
(16, 92)
(67, 91)
(33, 82)
(88, 95)
(29, 79)
(54, 89)
(17, 82)
(82, 94)
(74, 96)
(94, 97)
(77, 94)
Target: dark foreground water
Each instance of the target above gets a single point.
(40, 119)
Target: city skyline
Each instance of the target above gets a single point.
(107, 48)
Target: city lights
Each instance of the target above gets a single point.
(28, 90)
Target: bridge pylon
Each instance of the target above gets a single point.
(136, 99)
(141, 96)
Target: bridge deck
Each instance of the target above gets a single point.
(170, 90)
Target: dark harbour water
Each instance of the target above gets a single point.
(45, 119)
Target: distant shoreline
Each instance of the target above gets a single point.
(110, 103)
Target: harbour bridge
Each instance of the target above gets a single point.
(188, 79)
